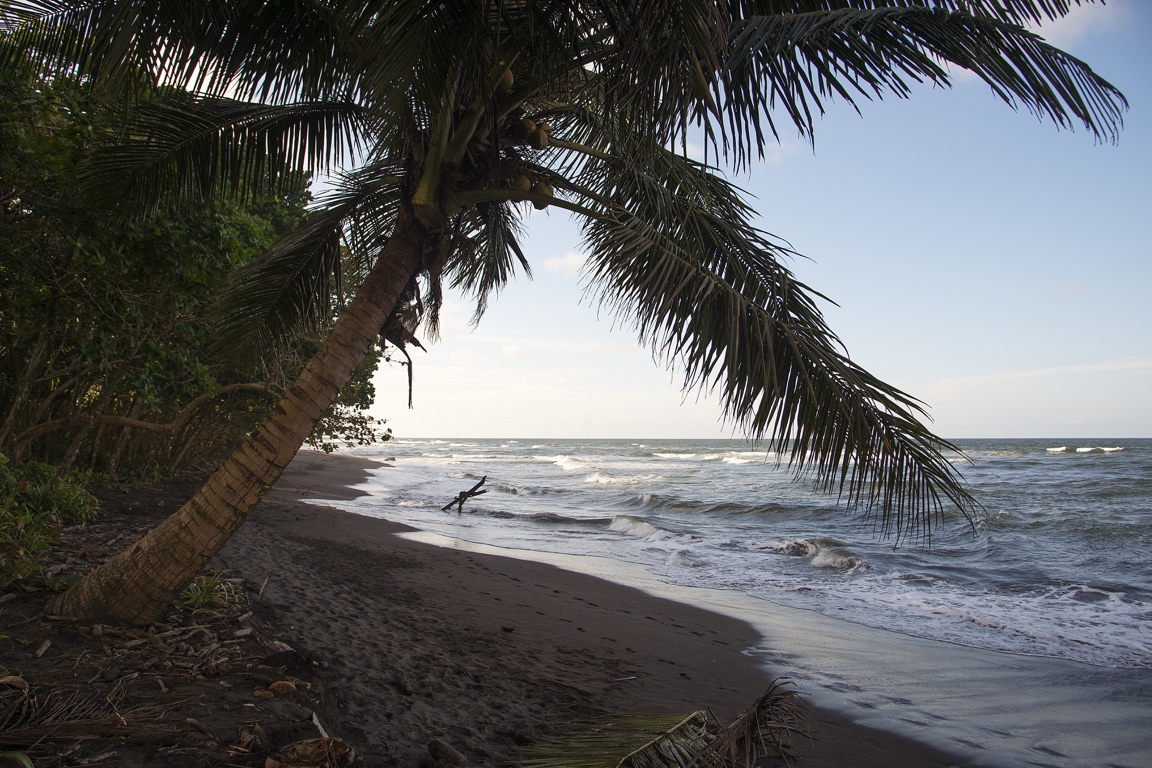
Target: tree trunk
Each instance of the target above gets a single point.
(138, 583)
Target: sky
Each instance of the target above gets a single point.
(982, 260)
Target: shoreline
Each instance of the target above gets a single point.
(487, 652)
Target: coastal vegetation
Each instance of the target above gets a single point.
(106, 325)
(438, 122)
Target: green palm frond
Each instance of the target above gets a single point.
(673, 251)
(731, 72)
(187, 149)
(798, 61)
(273, 51)
(303, 279)
(405, 91)
(486, 251)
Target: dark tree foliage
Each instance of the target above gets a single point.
(105, 325)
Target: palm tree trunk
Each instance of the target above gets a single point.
(138, 583)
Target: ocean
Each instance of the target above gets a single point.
(1056, 564)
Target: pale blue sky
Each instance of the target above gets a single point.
(985, 262)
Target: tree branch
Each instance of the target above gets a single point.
(151, 426)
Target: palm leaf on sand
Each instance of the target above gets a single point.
(694, 740)
(28, 718)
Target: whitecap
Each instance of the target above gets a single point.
(634, 526)
(601, 478)
(689, 456)
(1061, 449)
(837, 559)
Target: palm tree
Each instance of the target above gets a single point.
(442, 119)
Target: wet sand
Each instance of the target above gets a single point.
(488, 653)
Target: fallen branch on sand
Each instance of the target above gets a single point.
(463, 496)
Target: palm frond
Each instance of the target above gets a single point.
(485, 252)
(766, 728)
(627, 741)
(673, 251)
(32, 717)
(799, 61)
(276, 52)
(302, 280)
(186, 149)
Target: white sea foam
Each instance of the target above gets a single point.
(601, 478)
(689, 456)
(835, 558)
(566, 463)
(695, 520)
(634, 526)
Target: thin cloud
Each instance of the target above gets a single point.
(1066, 370)
(568, 265)
(1084, 21)
(1074, 289)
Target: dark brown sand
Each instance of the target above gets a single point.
(489, 653)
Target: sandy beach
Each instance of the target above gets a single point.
(490, 653)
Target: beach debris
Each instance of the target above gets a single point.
(42, 648)
(282, 687)
(251, 740)
(292, 661)
(319, 727)
(463, 496)
(445, 754)
(13, 681)
(200, 727)
(31, 717)
(764, 729)
(313, 753)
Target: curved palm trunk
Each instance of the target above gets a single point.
(138, 583)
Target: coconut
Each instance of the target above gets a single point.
(538, 139)
(541, 188)
(505, 84)
(527, 126)
(522, 183)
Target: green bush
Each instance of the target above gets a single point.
(33, 508)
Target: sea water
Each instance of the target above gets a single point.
(1056, 563)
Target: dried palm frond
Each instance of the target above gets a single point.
(696, 740)
(764, 729)
(28, 718)
(627, 741)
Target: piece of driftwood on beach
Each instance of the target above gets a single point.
(463, 496)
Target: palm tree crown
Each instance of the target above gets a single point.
(441, 120)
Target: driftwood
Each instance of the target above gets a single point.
(463, 496)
